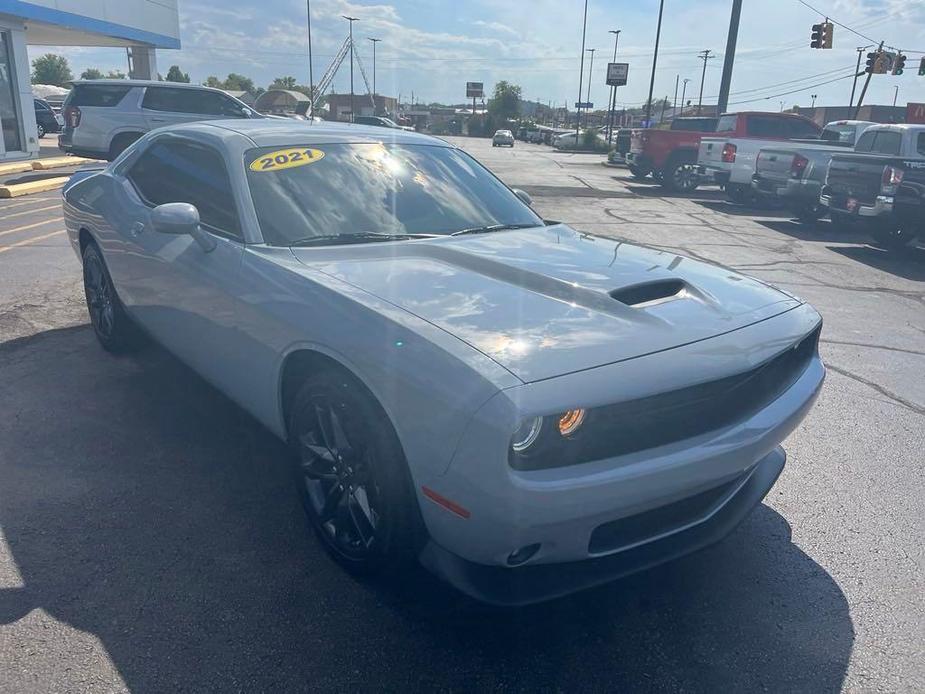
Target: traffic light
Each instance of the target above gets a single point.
(816, 39)
(899, 63)
(873, 63)
(922, 68)
(828, 31)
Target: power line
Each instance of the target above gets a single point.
(781, 84)
(792, 91)
(848, 28)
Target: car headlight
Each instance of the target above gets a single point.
(571, 421)
(527, 434)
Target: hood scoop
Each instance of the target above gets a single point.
(645, 294)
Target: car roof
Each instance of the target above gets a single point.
(144, 83)
(269, 132)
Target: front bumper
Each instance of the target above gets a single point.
(529, 584)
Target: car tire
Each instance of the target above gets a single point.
(893, 238)
(739, 194)
(638, 173)
(351, 475)
(40, 129)
(810, 213)
(681, 173)
(111, 324)
(120, 143)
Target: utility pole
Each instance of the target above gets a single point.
(664, 106)
(704, 56)
(352, 109)
(581, 74)
(658, 34)
(683, 92)
(857, 108)
(311, 75)
(857, 73)
(895, 94)
(729, 57)
(613, 89)
(374, 42)
(674, 104)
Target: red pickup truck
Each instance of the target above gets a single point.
(671, 155)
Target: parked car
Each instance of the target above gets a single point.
(670, 155)
(511, 403)
(381, 122)
(794, 173)
(884, 188)
(502, 138)
(728, 157)
(103, 117)
(46, 120)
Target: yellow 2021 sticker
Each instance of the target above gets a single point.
(286, 159)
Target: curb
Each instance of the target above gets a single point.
(43, 186)
(42, 164)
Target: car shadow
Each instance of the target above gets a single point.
(141, 506)
(657, 191)
(750, 210)
(909, 263)
(821, 230)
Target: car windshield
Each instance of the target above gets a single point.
(368, 190)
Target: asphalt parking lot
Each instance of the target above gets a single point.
(150, 540)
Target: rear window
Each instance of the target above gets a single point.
(705, 125)
(887, 142)
(727, 124)
(777, 127)
(840, 133)
(97, 94)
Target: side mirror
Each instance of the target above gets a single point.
(180, 218)
(524, 197)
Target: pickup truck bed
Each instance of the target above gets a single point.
(885, 193)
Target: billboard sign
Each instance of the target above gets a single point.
(915, 112)
(617, 74)
(474, 90)
(584, 104)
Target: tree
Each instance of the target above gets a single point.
(91, 73)
(215, 82)
(175, 74)
(239, 83)
(505, 104)
(115, 75)
(51, 69)
(284, 83)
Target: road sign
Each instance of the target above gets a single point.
(474, 90)
(584, 104)
(915, 112)
(617, 74)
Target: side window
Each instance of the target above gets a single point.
(106, 95)
(920, 144)
(164, 99)
(180, 171)
(794, 127)
(866, 141)
(888, 142)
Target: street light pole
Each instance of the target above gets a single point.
(658, 34)
(590, 72)
(311, 76)
(351, 20)
(895, 93)
(613, 88)
(581, 73)
(813, 96)
(704, 56)
(683, 92)
(374, 42)
(674, 106)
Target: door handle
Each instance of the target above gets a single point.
(137, 228)
(158, 120)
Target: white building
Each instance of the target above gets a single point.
(141, 26)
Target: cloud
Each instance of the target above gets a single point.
(495, 26)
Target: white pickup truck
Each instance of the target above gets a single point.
(729, 160)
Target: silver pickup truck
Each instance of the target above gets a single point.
(794, 173)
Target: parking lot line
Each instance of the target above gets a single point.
(30, 201)
(4, 249)
(31, 226)
(25, 212)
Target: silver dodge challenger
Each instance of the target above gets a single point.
(524, 409)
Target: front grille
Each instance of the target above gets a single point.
(665, 418)
(658, 521)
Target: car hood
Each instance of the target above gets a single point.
(548, 301)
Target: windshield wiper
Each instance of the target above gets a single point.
(493, 227)
(361, 237)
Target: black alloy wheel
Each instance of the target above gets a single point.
(638, 173)
(112, 326)
(41, 130)
(681, 175)
(351, 475)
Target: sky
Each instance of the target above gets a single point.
(431, 48)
